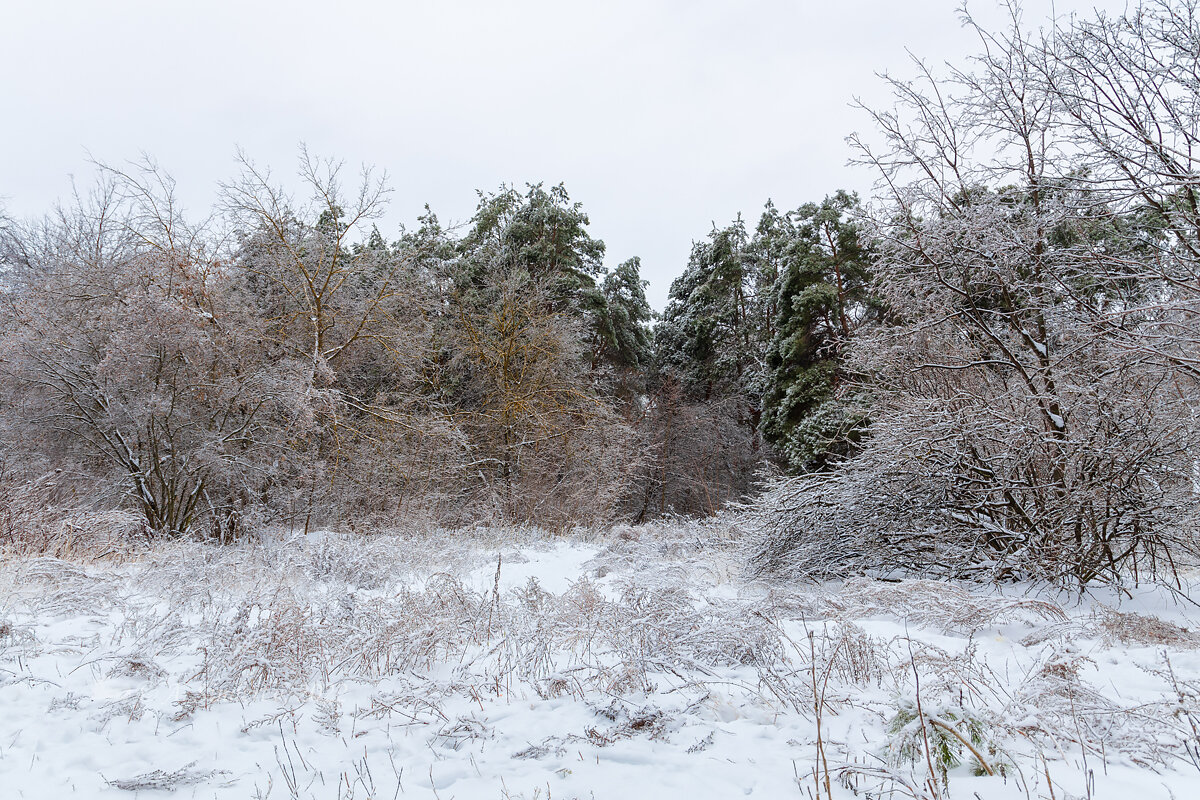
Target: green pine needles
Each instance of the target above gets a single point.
(940, 739)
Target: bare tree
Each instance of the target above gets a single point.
(698, 457)
(549, 449)
(1021, 426)
(1127, 90)
(124, 356)
(352, 318)
(301, 260)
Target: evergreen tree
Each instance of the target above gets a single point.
(622, 332)
(767, 254)
(822, 296)
(706, 335)
(533, 344)
(540, 237)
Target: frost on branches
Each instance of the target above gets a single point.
(1039, 246)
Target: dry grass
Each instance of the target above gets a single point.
(45, 517)
(660, 612)
(1139, 629)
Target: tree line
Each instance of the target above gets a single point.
(282, 362)
(987, 367)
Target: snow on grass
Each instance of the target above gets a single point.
(637, 663)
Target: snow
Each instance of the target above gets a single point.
(554, 568)
(639, 663)
(1040, 347)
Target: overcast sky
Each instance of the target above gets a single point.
(661, 116)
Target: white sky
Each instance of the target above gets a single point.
(661, 116)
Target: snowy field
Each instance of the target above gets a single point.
(636, 663)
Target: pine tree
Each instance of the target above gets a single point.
(822, 296)
(767, 254)
(706, 335)
(541, 237)
(705, 406)
(622, 333)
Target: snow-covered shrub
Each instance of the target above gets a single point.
(1034, 380)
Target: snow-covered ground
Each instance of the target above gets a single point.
(636, 663)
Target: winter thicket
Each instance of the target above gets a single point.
(1033, 382)
(284, 363)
